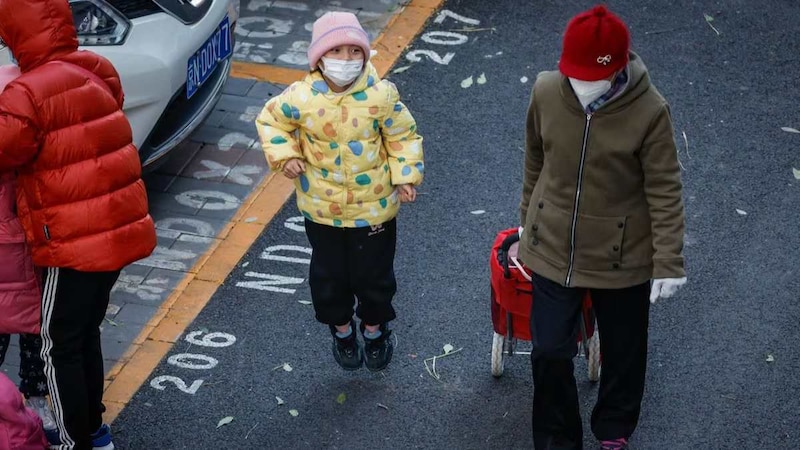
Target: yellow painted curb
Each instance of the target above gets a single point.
(263, 72)
(195, 291)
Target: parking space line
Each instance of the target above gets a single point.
(195, 291)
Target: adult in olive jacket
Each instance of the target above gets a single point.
(601, 210)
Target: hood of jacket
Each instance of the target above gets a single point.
(37, 31)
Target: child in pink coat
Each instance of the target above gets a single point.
(20, 301)
(20, 428)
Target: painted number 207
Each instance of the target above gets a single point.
(194, 361)
(449, 38)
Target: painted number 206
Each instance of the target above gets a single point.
(449, 38)
(194, 361)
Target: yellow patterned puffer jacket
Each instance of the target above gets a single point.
(357, 146)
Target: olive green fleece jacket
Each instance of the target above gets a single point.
(601, 198)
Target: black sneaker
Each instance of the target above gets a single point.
(378, 352)
(347, 351)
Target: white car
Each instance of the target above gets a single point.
(173, 56)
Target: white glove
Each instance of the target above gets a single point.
(665, 287)
(519, 232)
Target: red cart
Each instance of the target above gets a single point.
(512, 294)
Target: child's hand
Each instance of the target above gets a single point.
(293, 168)
(407, 193)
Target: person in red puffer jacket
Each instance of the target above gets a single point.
(81, 199)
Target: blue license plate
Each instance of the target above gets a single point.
(205, 60)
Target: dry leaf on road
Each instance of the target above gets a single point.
(224, 421)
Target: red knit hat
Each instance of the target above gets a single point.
(596, 44)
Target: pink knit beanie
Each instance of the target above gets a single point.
(335, 29)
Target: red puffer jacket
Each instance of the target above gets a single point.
(80, 196)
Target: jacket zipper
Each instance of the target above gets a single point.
(577, 201)
(345, 177)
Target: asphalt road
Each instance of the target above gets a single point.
(724, 358)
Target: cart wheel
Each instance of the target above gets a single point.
(593, 357)
(498, 345)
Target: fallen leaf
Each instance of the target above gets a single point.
(284, 366)
(294, 412)
(478, 212)
(401, 69)
(524, 79)
(115, 324)
(224, 421)
(482, 79)
(448, 348)
(304, 302)
(280, 401)
(341, 398)
(796, 173)
(790, 130)
(467, 83)
(381, 405)
(770, 358)
(741, 212)
(710, 19)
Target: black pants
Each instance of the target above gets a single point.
(352, 262)
(622, 319)
(31, 368)
(73, 307)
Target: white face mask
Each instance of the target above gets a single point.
(342, 72)
(589, 91)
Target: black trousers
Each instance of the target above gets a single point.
(73, 307)
(352, 263)
(622, 319)
(33, 383)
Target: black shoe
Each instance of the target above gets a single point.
(378, 352)
(347, 351)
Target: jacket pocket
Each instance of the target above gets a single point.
(598, 242)
(549, 232)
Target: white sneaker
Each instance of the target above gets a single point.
(41, 407)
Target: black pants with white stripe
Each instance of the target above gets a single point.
(73, 307)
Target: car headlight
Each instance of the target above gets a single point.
(98, 23)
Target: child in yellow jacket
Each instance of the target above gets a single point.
(353, 150)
